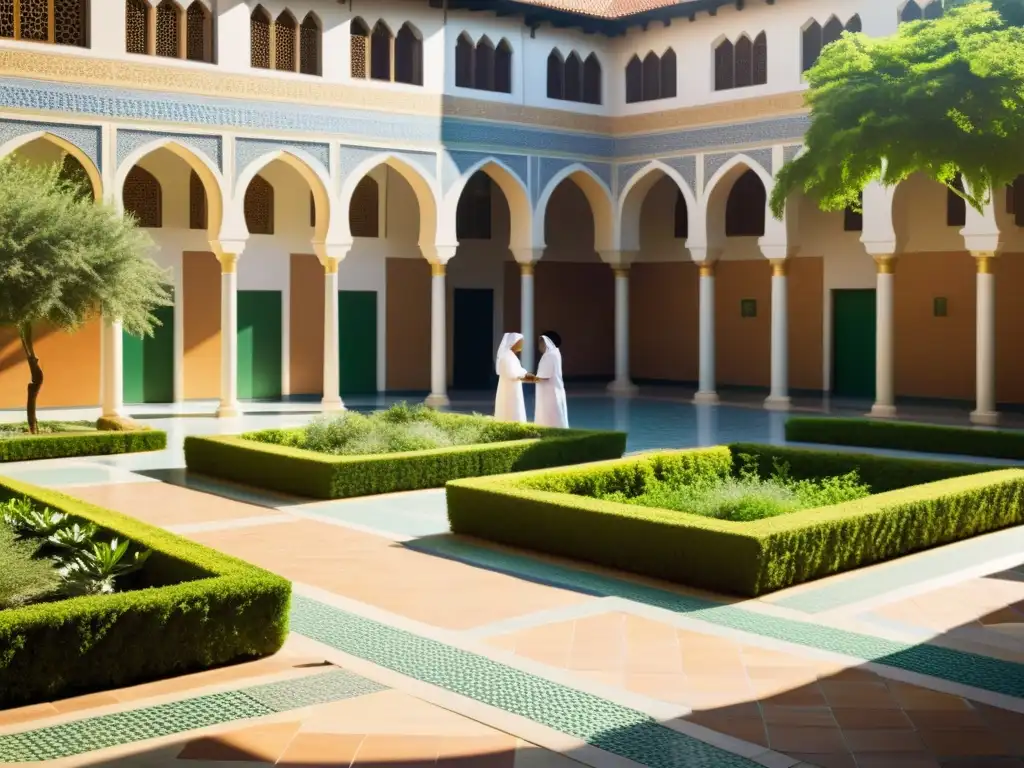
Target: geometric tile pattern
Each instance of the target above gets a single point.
(955, 666)
(89, 734)
(612, 727)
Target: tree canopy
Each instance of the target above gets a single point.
(64, 259)
(939, 97)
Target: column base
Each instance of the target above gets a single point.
(777, 403)
(626, 387)
(228, 411)
(706, 398)
(436, 400)
(882, 411)
(332, 404)
(985, 418)
(113, 413)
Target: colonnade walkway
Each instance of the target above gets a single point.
(412, 647)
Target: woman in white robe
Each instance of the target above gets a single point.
(551, 409)
(509, 404)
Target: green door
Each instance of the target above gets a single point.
(357, 342)
(149, 362)
(473, 339)
(259, 345)
(853, 343)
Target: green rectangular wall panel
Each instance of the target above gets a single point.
(149, 362)
(357, 342)
(473, 339)
(259, 345)
(853, 343)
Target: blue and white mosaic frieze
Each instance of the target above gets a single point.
(454, 165)
(684, 140)
(86, 137)
(685, 166)
(248, 150)
(712, 163)
(210, 146)
(549, 167)
(351, 157)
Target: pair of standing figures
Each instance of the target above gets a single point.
(509, 405)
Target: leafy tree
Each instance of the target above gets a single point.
(939, 97)
(65, 259)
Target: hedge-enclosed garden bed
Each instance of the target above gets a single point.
(270, 459)
(573, 512)
(61, 440)
(188, 608)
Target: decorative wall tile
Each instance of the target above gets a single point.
(713, 162)
(85, 137)
(774, 130)
(456, 163)
(248, 150)
(485, 133)
(686, 167)
(352, 156)
(549, 167)
(788, 153)
(128, 140)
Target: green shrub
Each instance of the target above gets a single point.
(908, 436)
(19, 428)
(269, 459)
(86, 443)
(190, 608)
(554, 512)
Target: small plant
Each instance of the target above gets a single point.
(27, 520)
(92, 571)
(73, 537)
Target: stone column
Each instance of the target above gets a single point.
(112, 401)
(528, 355)
(622, 385)
(985, 412)
(228, 335)
(778, 398)
(885, 393)
(331, 400)
(706, 373)
(438, 336)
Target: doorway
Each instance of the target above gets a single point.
(473, 339)
(357, 342)
(149, 362)
(853, 343)
(259, 345)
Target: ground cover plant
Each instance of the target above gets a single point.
(744, 519)
(18, 429)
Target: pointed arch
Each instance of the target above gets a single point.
(409, 55)
(483, 65)
(597, 194)
(286, 42)
(359, 48)
(364, 209)
(512, 187)
(634, 80)
(168, 29)
(312, 172)
(592, 80)
(651, 77)
(760, 60)
(310, 60)
(556, 75)
(142, 197)
(745, 206)
(199, 32)
(669, 69)
(744, 62)
(573, 79)
(854, 24)
(464, 61)
(259, 38)
(933, 10)
(911, 12)
(832, 31)
(635, 191)
(136, 23)
(812, 44)
(730, 170)
(258, 206)
(725, 72)
(423, 188)
(381, 44)
(69, 149)
(503, 67)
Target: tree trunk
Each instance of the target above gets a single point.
(37, 378)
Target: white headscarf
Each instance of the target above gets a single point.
(508, 341)
(549, 346)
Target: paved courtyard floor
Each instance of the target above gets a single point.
(411, 647)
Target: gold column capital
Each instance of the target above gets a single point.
(620, 271)
(707, 268)
(526, 270)
(885, 265)
(228, 263)
(437, 269)
(779, 267)
(985, 261)
(331, 266)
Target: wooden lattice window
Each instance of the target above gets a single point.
(63, 22)
(259, 44)
(380, 52)
(483, 65)
(725, 74)
(744, 65)
(359, 39)
(464, 61)
(668, 74)
(35, 20)
(69, 22)
(408, 56)
(7, 16)
(556, 75)
(312, 209)
(136, 22)
(745, 208)
(651, 77)
(591, 80)
(634, 80)
(285, 43)
(259, 207)
(364, 209)
(197, 208)
(760, 65)
(168, 29)
(198, 33)
(473, 213)
(142, 198)
(681, 217)
(503, 67)
(309, 46)
(573, 89)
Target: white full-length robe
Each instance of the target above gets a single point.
(551, 409)
(509, 404)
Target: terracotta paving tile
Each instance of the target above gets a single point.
(259, 743)
(164, 504)
(820, 717)
(964, 743)
(324, 750)
(599, 643)
(833, 760)
(548, 644)
(746, 729)
(897, 761)
(27, 713)
(379, 749)
(498, 751)
(859, 695)
(914, 697)
(667, 687)
(804, 696)
(1001, 719)
(947, 719)
(80, 703)
(882, 740)
(392, 712)
(871, 719)
(786, 738)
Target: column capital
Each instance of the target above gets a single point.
(984, 261)
(228, 263)
(335, 252)
(885, 264)
(437, 269)
(330, 266)
(526, 270)
(439, 254)
(529, 255)
(221, 247)
(621, 271)
(707, 268)
(779, 267)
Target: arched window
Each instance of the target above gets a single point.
(364, 209)
(70, 22)
(63, 22)
(380, 52)
(956, 206)
(556, 75)
(744, 66)
(681, 217)
(309, 45)
(359, 40)
(652, 77)
(724, 71)
(483, 65)
(198, 33)
(473, 213)
(668, 74)
(464, 61)
(259, 44)
(168, 29)
(573, 82)
(761, 59)
(853, 218)
(592, 80)
(831, 32)
(933, 10)
(812, 44)
(634, 81)
(285, 42)
(1015, 200)
(854, 25)
(745, 208)
(503, 67)
(408, 56)
(136, 23)
(259, 207)
(142, 198)
(911, 12)
(197, 215)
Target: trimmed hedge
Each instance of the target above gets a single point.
(63, 446)
(191, 608)
(555, 512)
(323, 476)
(908, 436)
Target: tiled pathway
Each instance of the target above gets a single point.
(410, 647)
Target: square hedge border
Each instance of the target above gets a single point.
(918, 503)
(322, 476)
(68, 445)
(191, 608)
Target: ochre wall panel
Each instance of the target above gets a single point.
(934, 355)
(201, 284)
(306, 325)
(408, 324)
(742, 344)
(663, 321)
(806, 322)
(1009, 270)
(70, 363)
